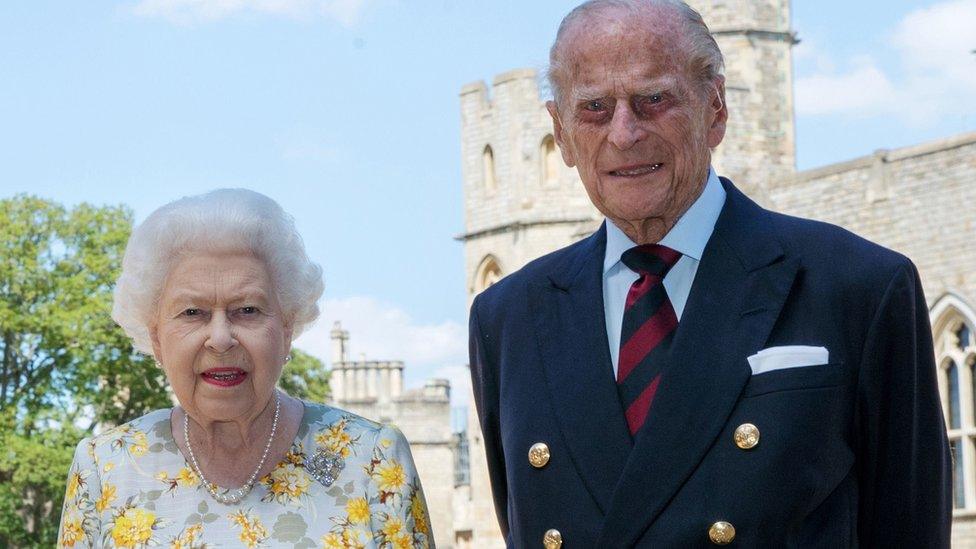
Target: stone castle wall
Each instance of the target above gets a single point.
(917, 200)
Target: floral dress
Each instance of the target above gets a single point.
(131, 487)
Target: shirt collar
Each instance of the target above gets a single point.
(688, 236)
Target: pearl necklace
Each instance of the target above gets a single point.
(234, 496)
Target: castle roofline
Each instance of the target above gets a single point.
(888, 155)
(514, 74)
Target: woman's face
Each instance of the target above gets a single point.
(220, 335)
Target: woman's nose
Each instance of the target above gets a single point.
(221, 338)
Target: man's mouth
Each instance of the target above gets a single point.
(224, 377)
(634, 171)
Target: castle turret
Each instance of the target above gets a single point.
(759, 150)
(520, 199)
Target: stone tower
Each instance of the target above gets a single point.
(521, 201)
(759, 149)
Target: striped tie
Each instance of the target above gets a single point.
(648, 327)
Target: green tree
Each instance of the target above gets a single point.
(305, 377)
(65, 367)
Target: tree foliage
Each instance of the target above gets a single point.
(66, 369)
(305, 377)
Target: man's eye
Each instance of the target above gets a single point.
(595, 105)
(648, 103)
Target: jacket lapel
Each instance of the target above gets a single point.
(571, 331)
(741, 285)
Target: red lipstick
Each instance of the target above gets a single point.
(224, 377)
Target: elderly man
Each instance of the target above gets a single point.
(699, 370)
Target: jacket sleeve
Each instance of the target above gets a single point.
(902, 449)
(484, 382)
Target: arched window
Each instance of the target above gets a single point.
(549, 158)
(955, 419)
(488, 169)
(488, 273)
(958, 476)
(952, 327)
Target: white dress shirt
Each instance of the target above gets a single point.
(688, 236)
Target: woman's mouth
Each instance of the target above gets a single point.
(636, 171)
(224, 377)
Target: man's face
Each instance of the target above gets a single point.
(634, 121)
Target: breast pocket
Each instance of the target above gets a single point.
(792, 379)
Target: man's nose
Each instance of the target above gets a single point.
(625, 128)
(221, 338)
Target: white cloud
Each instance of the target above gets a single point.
(864, 90)
(382, 331)
(934, 76)
(346, 12)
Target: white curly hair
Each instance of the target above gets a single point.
(224, 220)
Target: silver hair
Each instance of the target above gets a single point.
(225, 220)
(704, 57)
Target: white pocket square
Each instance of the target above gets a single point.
(789, 356)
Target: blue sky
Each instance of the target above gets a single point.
(346, 112)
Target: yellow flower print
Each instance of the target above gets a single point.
(401, 541)
(385, 443)
(391, 477)
(332, 541)
(105, 500)
(347, 539)
(336, 439)
(185, 540)
(252, 531)
(140, 444)
(75, 482)
(392, 527)
(71, 532)
(289, 481)
(419, 512)
(295, 458)
(358, 510)
(187, 477)
(133, 527)
(108, 467)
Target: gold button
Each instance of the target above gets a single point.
(721, 533)
(746, 436)
(539, 456)
(553, 539)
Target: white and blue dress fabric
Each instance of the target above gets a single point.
(346, 482)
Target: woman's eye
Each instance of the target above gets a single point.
(192, 312)
(249, 310)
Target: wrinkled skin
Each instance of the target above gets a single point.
(634, 120)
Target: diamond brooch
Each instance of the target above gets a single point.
(324, 466)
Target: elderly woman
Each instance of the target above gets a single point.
(216, 287)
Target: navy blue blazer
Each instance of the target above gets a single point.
(853, 453)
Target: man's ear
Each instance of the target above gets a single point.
(557, 133)
(719, 111)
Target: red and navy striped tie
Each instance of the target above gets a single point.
(648, 327)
